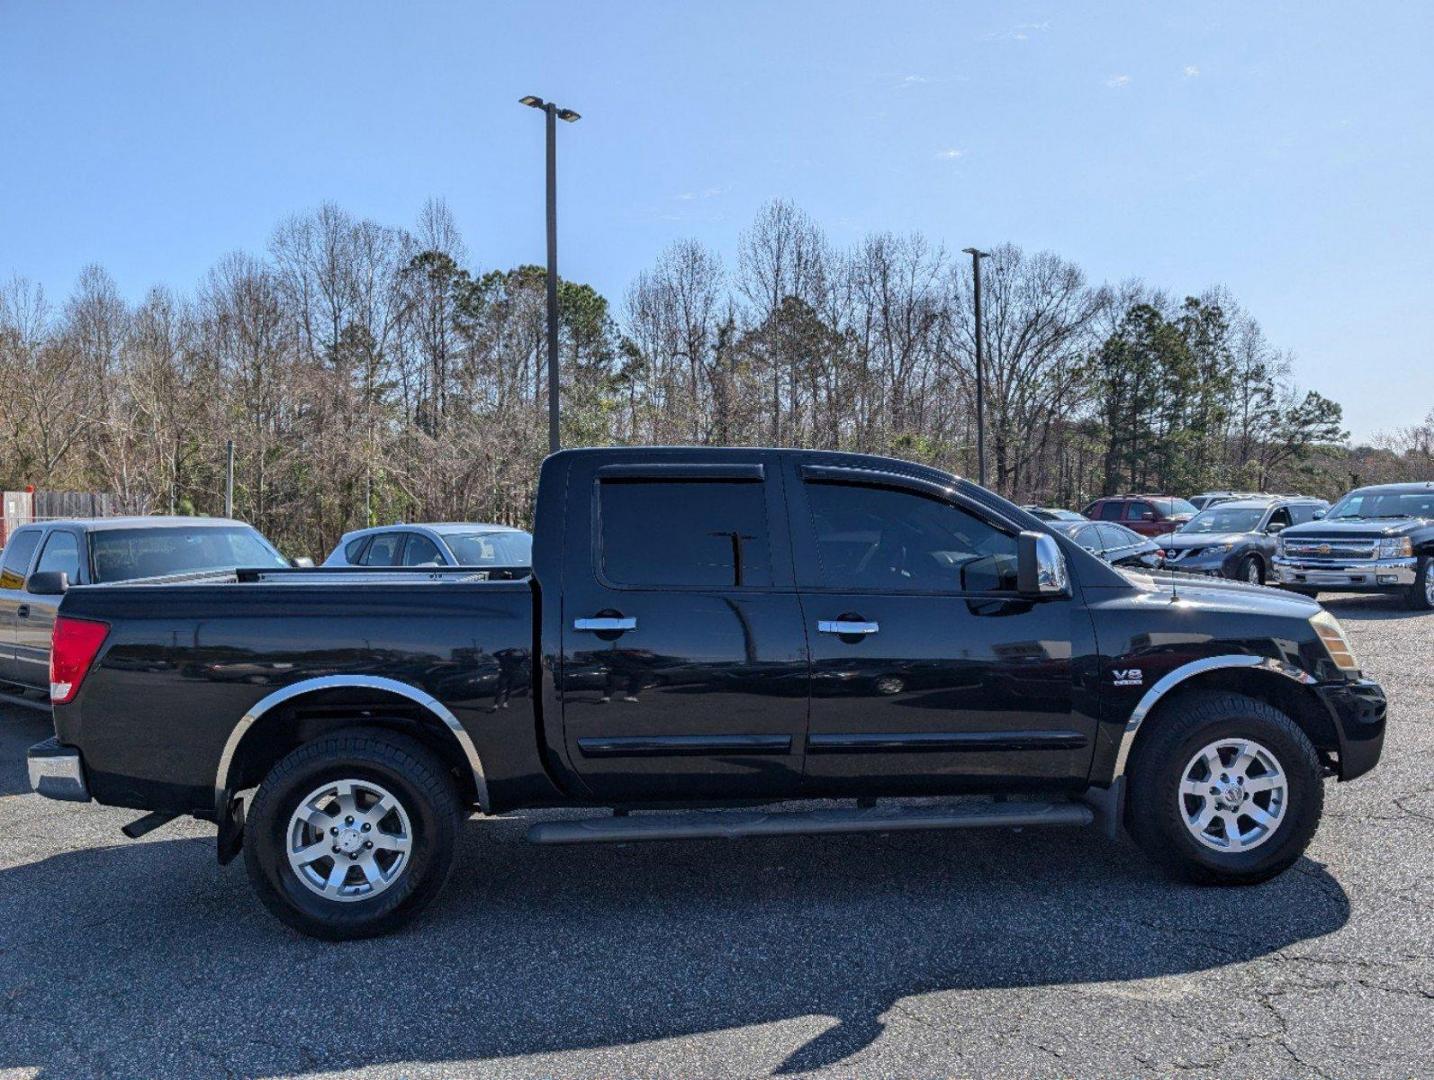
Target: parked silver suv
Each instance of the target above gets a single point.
(1237, 539)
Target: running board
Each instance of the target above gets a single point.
(731, 824)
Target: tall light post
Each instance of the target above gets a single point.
(553, 114)
(976, 256)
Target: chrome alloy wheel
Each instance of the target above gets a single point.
(1252, 575)
(1429, 585)
(349, 840)
(1233, 795)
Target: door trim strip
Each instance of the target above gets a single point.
(611, 746)
(928, 742)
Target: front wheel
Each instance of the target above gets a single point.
(1227, 790)
(1251, 570)
(1421, 594)
(353, 834)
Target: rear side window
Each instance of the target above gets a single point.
(352, 549)
(18, 553)
(1087, 537)
(61, 554)
(696, 533)
(383, 551)
(1111, 511)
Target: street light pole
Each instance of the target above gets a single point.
(976, 256)
(552, 114)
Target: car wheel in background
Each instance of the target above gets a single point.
(1251, 570)
(1420, 596)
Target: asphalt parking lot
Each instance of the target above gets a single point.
(1038, 954)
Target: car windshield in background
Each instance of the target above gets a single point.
(1387, 504)
(128, 554)
(1173, 507)
(491, 548)
(1221, 520)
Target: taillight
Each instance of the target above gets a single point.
(73, 647)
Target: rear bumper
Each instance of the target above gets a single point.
(1360, 712)
(1373, 575)
(57, 771)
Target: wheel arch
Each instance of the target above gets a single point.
(297, 713)
(1281, 685)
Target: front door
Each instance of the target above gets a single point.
(684, 658)
(15, 602)
(929, 672)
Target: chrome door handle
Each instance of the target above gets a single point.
(605, 624)
(843, 628)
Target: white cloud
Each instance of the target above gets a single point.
(912, 80)
(705, 193)
(1116, 82)
(950, 154)
(1019, 32)
(1191, 71)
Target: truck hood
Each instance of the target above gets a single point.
(1221, 593)
(1357, 528)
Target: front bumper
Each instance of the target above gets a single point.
(1360, 712)
(57, 771)
(1371, 575)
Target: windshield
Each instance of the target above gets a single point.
(491, 548)
(1221, 519)
(1173, 507)
(127, 554)
(1385, 504)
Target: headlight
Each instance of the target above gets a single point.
(1219, 549)
(1280, 546)
(1331, 635)
(1396, 547)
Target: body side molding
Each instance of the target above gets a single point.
(334, 682)
(1171, 679)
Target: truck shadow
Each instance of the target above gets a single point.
(1370, 608)
(113, 957)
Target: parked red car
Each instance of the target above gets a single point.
(1149, 515)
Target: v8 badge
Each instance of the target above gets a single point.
(1129, 676)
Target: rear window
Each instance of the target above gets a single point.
(127, 554)
(695, 533)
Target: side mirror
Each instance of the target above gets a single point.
(48, 583)
(1040, 566)
(303, 562)
(1149, 515)
(1319, 514)
(1275, 526)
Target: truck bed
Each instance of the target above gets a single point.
(183, 662)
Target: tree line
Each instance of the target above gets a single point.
(369, 374)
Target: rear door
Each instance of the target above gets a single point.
(684, 662)
(14, 569)
(929, 673)
(35, 621)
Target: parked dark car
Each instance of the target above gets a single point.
(1237, 539)
(450, 543)
(1149, 515)
(1377, 539)
(1115, 544)
(749, 626)
(105, 551)
(1053, 513)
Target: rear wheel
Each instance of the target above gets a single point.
(1227, 790)
(1420, 596)
(353, 834)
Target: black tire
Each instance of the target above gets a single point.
(1247, 564)
(418, 781)
(1417, 597)
(1155, 812)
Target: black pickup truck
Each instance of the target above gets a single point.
(705, 634)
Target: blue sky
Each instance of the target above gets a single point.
(1284, 149)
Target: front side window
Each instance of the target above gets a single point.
(61, 555)
(899, 541)
(1136, 511)
(383, 550)
(1303, 512)
(421, 551)
(1117, 536)
(16, 562)
(694, 533)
